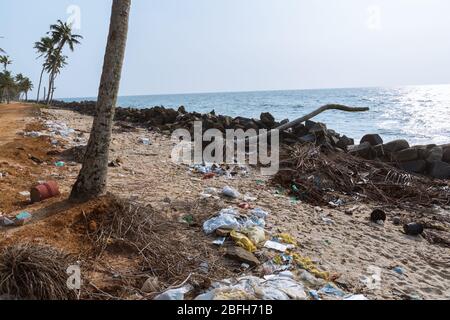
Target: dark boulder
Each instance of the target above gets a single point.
(439, 170)
(300, 130)
(410, 154)
(309, 138)
(417, 166)
(318, 129)
(182, 110)
(395, 146)
(268, 120)
(310, 124)
(364, 150)
(373, 139)
(345, 142)
(435, 154)
(446, 155)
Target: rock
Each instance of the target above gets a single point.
(344, 142)
(151, 285)
(318, 129)
(310, 138)
(435, 154)
(413, 229)
(364, 150)
(416, 166)
(409, 154)
(378, 215)
(395, 146)
(373, 139)
(310, 124)
(439, 170)
(182, 110)
(241, 255)
(396, 221)
(267, 119)
(446, 155)
(300, 130)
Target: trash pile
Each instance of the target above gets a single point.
(58, 129)
(285, 273)
(209, 171)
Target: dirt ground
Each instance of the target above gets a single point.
(349, 246)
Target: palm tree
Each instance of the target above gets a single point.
(24, 85)
(53, 65)
(8, 86)
(5, 61)
(61, 34)
(44, 48)
(92, 180)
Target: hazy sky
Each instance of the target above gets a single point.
(178, 46)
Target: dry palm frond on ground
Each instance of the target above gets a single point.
(315, 176)
(34, 272)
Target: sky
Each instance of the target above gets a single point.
(187, 46)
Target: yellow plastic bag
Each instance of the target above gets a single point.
(308, 265)
(242, 241)
(256, 234)
(287, 238)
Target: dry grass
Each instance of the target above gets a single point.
(318, 176)
(34, 272)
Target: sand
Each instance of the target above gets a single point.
(348, 245)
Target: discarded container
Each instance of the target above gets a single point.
(227, 219)
(378, 215)
(413, 229)
(44, 191)
(145, 141)
(60, 164)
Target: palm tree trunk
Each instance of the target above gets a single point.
(92, 180)
(40, 82)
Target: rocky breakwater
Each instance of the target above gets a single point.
(432, 160)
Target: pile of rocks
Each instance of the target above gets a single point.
(432, 160)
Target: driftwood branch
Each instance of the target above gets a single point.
(319, 111)
(310, 116)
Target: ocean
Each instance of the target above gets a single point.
(419, 114)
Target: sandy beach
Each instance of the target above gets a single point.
(349, 246)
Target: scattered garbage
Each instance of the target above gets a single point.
(25, 194)
(210, 171)
(242, 241)
(413, 229)
(145, 141)
(226, 219)
(175, 294)
(355, 297)
(276, 287)
(242, 255)
(308, 265)
(314, 294)
(44, 191)
(230, 192)
(220, 242)
(22, 218)
(260, 213)
(256, 235)
(204, 267)
(5, 221)
(276, 246)
(60, 164)
(399, 270)
(331, 290)
(59, 128)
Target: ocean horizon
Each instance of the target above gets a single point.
(419, 114)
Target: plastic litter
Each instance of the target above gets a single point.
(331, 290)
(60, 164)
(307, 264)
(255, 234)
(230, 192)
(399, 270)
(145, 141)
(276, 246)
(226, 219)
(175, 294)
(355, 297)
(25, 193)
(287, 238)
(242, 241)
(275, 287)
(260, 213)
(314, 294)
(22, 218)
(6, 222)
(219, 242)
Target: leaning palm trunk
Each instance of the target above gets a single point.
(40, 83)
(92, 179)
